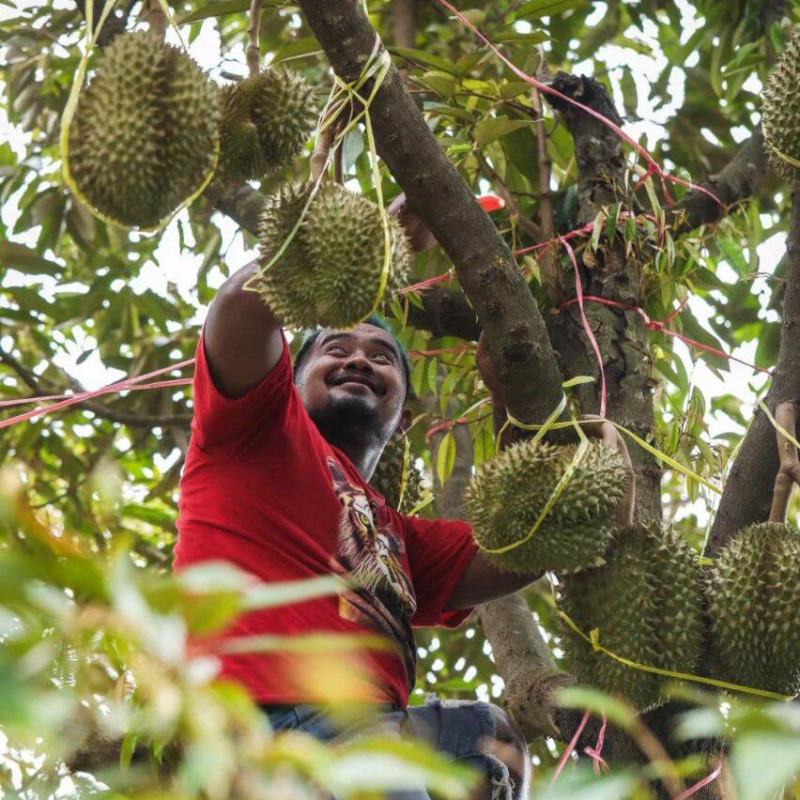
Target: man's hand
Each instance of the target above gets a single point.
(487, 371)
(418, 232)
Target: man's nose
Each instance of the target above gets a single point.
(358, 360)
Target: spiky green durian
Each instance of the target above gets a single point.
(780, 113)
(330, 272)
(508, 493)
(645, 602)
(754, 605)
(145, 132)
(265, 122)
(397, 477)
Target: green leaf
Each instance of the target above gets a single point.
(489, 130)
(219, 9)
(546, 8)
(611, 222)
(424, 57)
(762, 762)
(25, 259)
(445, 457)
(734, 255)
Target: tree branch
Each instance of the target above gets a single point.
(747, 495)
(514, 328)
(734, 184)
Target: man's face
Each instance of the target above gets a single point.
(352, 383)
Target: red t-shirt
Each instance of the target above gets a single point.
(264, 490)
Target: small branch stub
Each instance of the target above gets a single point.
(253, 47)
(157, 20)
(789, 470)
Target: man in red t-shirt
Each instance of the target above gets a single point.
(276, 482)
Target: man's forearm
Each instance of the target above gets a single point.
(242, 336)
(482, 582)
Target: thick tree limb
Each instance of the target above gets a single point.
(515, 331)
(747, 495)
(734, 184)
(621, 335)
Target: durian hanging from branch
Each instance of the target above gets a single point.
(266, 117)
(537, 507)
(329, 256)
(754, 587)
(142, 139)
(780, 113)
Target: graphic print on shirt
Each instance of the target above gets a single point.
(370, 555)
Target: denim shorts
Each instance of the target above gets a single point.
(449, 726)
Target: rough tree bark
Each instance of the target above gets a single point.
(747, 494)
(621, 335)
(515, 331)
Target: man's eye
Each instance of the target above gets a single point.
(336, 350)
(384, 357)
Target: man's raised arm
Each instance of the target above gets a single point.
(242, 337)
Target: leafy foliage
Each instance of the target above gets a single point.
(84, 557)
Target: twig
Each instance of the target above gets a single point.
(789, 470)
(253, 48)
(157, 20)
(551, 274)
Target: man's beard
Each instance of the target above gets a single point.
(349, 421)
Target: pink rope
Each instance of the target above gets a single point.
(660, 327)
(119, 386)
(21, 401)
(546, 89)
(586, 326)
(595, 753)
(570, 749)
(693, 790)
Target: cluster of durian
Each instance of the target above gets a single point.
(397, 477)
(508, 494)
(266, 120)
(780, 113)
(645, 603)
(322, 256)
(145, 133)
(754, 604)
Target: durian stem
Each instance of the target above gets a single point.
(322, 147)
(157, 20)
(789, 470)
(253, 48)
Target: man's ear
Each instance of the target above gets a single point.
(405, 421)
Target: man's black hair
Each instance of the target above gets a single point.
(374, 319)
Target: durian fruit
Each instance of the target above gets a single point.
(266, 119)
(145, 132)
(330, 272)
(398, 478)
(780, 113)
(507, 495)
(754, 605)
(646, 604)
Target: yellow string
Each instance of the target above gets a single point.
(593, 638)
(661, 456)
(69, 112)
